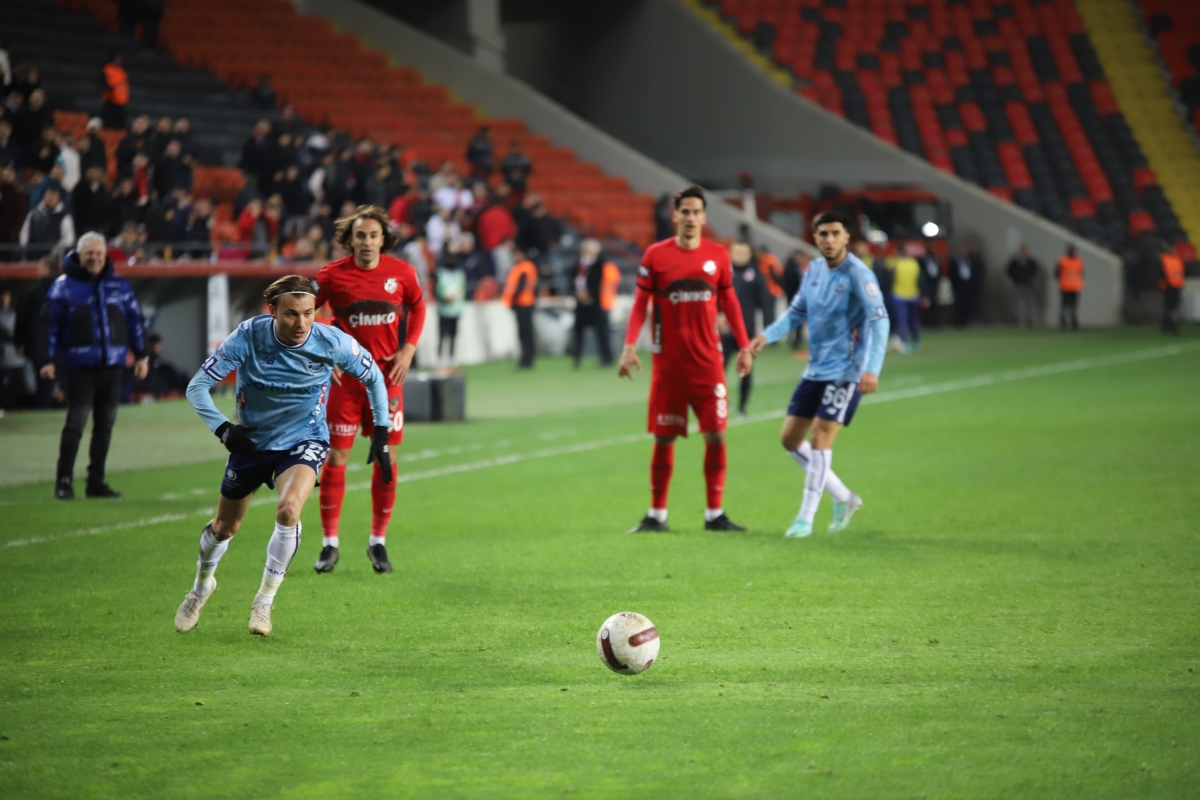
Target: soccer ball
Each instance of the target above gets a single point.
(627, 643)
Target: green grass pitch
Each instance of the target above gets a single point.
(1014, 613)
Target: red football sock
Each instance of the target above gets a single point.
(333, 490)
(383, 498)
(714, 473)
(662, 463)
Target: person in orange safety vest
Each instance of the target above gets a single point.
(1070, 285)
(520, 294)
(1171, 284)
(116, 94)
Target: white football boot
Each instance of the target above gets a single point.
(260, 619)
(189, 610)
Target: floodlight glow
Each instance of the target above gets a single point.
(930, 229)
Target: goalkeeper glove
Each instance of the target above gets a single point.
(379, 450)
(236, 438)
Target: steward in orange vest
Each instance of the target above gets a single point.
(1070, 285)
(520, 294)
(772, 270)
(116, 94)
(1172, 286)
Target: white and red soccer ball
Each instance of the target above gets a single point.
(627, 643)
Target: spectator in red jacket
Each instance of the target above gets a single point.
(497, 232)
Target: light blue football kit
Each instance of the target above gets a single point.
(283, 389)
(848, 332)
(847, 320)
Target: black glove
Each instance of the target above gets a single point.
(379, 450)
(236, 438)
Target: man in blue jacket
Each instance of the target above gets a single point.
(92, 322)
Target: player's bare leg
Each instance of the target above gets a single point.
(794, 439)
(295, 484)
(214, 541)
(715, 518)
(662, 464)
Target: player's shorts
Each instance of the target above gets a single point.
(672, 394)
(831, 400)
(350, 408)
(245, 472)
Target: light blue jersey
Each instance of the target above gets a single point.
(282, 389)
(847, 320)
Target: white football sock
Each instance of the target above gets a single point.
(814, 482)
(374, 540)
(833, 484)
(281, 549)
(659, 514)
(211, 551)
(712, 513)
(329, 541)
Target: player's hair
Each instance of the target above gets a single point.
(691, 191)
(344, 227)
(289, 284)
(830, 217)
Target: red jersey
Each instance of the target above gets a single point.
(369, 304)
(685, 286)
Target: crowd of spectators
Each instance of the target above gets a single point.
(55, 186)
(301, 179)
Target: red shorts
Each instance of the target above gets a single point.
(350, 407)
(671, 394)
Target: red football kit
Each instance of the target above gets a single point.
(684, 287)
(369, 304)
(689, 370)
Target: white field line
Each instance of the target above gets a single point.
(582, 447)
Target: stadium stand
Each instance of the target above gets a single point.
(1010, 96)
(70, 49)
(1175, 28)
(329, 77)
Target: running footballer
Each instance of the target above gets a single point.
(284, 364)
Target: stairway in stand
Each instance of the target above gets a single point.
(1141, 91)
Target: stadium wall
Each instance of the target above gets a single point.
(658, 76)
(499, 95)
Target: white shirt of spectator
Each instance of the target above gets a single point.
(438, 231)
(453, 198)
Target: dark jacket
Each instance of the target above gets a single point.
(91, 322)
(516, 168)
(1022, 271)
(753, 294)
(593, 280)
(91, 210)
(29, 320)
(479, 153)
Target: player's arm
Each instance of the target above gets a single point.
(737, 326)
(357, 361)
(875, 329)
(400, 361)
(793, 318)
(637, 318)
(236, 438)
